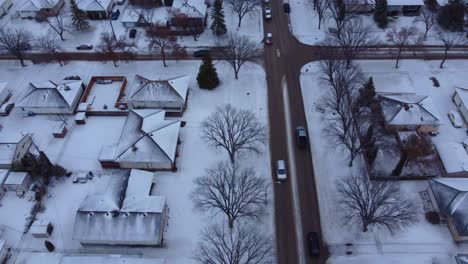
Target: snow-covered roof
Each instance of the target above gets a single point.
(109, 259)
(147, 137)
(463, 94)
(36, 5)
(409, 109)
(146, 90)
(39, 226)
(51, 94)
(3, 85)
(15, 178)
(158, 15)
(404, 2)
(3, 176)
(8, 144)
(94, 5)
(453, 156)
(137, 221)
(192, 8)
(462, 259)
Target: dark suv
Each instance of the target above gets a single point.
(301, 137)
(313, 243)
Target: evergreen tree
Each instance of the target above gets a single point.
(168, 2)
(452, 15)
(78, 17)
(380, 13)
(366, 93)
(217, 15)
(207, 76)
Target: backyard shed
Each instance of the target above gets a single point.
(17, 182)
(60, 131)
(460, 98)
(454, 159)
(13, 148)
(41, 229)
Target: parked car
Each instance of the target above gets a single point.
(301, 137)
(281, 170)
(313, 243)
(6, 108)
(267, 13)
(201, 53)
(286, 8)
(85, 47)
(269, 39)
(455, 118)
(115, 15)
(132, 33)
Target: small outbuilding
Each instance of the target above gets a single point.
(17, 182)
(80, 118)
(41, 229)
(13, 148)
(460, 98)
(454, 159)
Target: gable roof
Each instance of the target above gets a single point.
(36, 5)
(94, 5)
(146, 90)
(49, 94)
(408, 109)
(192, 8)
(453, 157)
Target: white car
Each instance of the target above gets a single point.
(281, 170)
(455, 118)
(267, 13)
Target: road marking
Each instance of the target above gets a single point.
(292, 177)
(278, 53)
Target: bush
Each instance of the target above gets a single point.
(433, 217)
(207, 76)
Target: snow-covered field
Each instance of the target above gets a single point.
(252, 26)
(79, 151)
(420, 242)
(304, 24)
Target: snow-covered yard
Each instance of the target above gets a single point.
(418, 243)
(79, 151)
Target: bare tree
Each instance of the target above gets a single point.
(375, 203)
(354, 39)
(413, 148)
(16, 42)
(160, 38)
(235, 191)
(51, 46)
(401, 38)
(449, 40)
(237, 131)
(237, 50)
(113, 49)
(60, 23)
(340, 14)
(321, 7)
(429, 19)
(243, 245)
(243, 7)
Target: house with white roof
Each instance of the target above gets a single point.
(169, 95)
(13, 148)
(405, 7)
(189, 15)
(148, 141)
(128, 216)
(460, 98)
(5, 5)
(96, 9)
(51, 97)
(409, 111)
(454, 159)
(144, 17)
(33, 8)
(449, 197)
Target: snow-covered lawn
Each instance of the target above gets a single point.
(79, 150)
(252, 26)
(422, 241)
(304, 24)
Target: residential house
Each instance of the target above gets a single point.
(96, 9)
(454, 159)
(409, 111)
(5, 5)
(460, 98)
(148, 141)
(33, 8)
(13, 148)
(449, 197)
(169, 95)
(17, 182)
(359, 6)
(132, 218)
(143, 17)
(189, 16)
(51, 97)
(41, 228)
(405, 7)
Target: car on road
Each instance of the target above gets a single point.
(6, 108)
(313, 244)
(286, 8)
(269, 38)
(132, 33)
(455, 118)
(281, 170)
(267, 14)
(84, 47)
(201, 53)
(301, 137)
